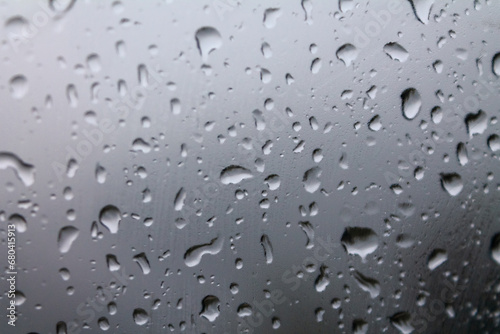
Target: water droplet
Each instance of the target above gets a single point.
(495, 248)
(323, 280)
(368, 284)
(495, 64)
(347, 53)
(309, 231)
(18, 86)
(462, 155)
(208, 39)
(143, 263)
(234, 174)
(272, 181)
(359, 326)
(411, 102)
(141, 317)
(112, 262)
(244, 310)
(437, 258)
(422, 9)
(268, 248)
(24, 172)
(452, 183)
(374, 124)
(179, 199)
(476, 123)
(110, 217)
(67, 235)
(194, 254)
(103, 323)
(494, 143)
(359, 241)
(402, 321)
(19, 222)
(311, 179)
(271, 16)
(396, 51)
(210, 308)
(316, 65)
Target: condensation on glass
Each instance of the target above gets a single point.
(229, 166)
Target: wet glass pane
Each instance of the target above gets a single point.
(228, 166)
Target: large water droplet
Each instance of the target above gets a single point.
(347, 53)
(452, 183)
(19, 222)
(495, 248)
(359, 241)
(396, 51)
(311, 179)
(110, 217)
(141, 317)
(271, 16)
(411, 102)
(402, 321)
(422, 9)
(24, 172)
(67, 235)
(194, 254)
(234, 174)
(368, 284)
(476, 123)
(208, 39)
(18, 86)
(210, 308)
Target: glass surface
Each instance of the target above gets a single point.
(230, 166)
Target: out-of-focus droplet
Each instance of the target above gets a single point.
(18, 86)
